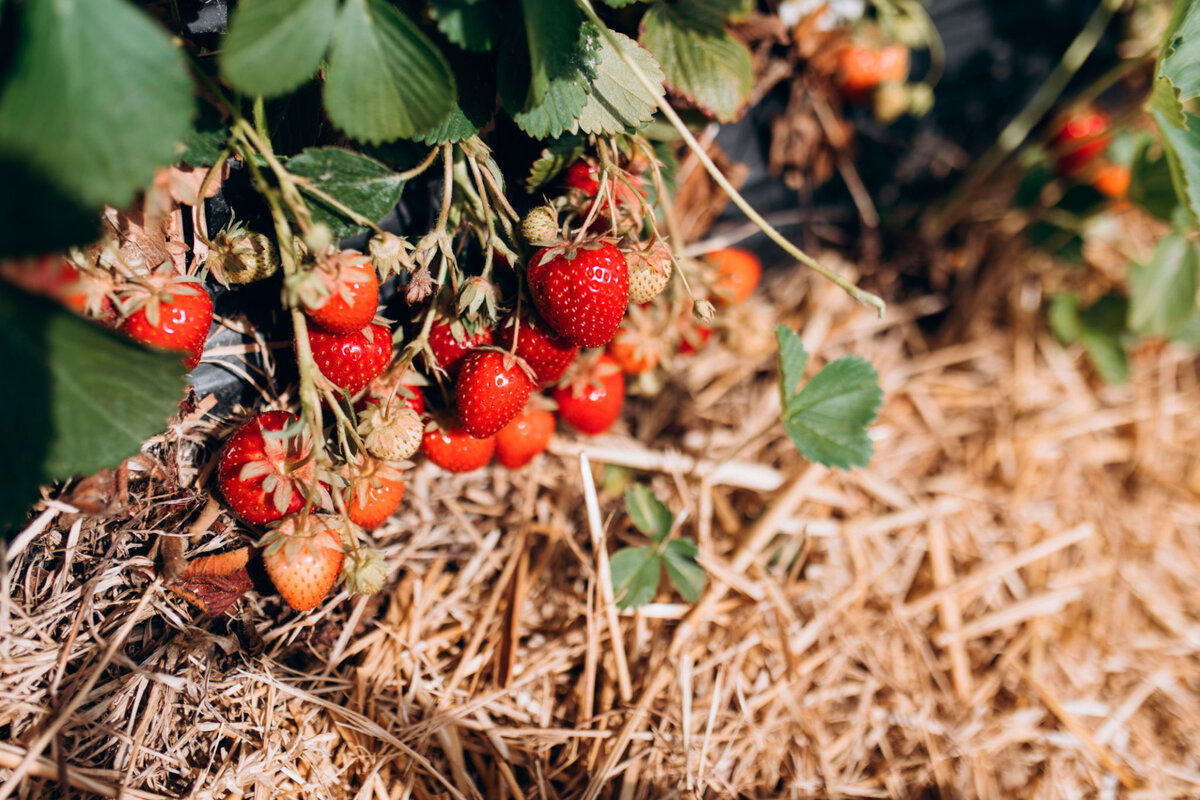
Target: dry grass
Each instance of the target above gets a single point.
(1004, 604)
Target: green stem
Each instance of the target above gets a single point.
(778, 238)
(936, 222)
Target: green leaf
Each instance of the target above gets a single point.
(545, 68)
(97, 98)
(1150, 184)
(619, 3)
(1100, 329)
(470, 24)
(1162, 294)
(273, 46)
(205, 139)
(357, 182)
(1189, 334)
(684, 571)
(828, 418)
(558, 154)
(618, 102)
(385, 80)
(1180, 62)
(475, 76)
(648, 513)
(1182, 146)
(88, 397)
(635, 572)
(700, 60)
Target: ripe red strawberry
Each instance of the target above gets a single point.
(450, 340)
(455, 450)
(303, 559)
(492, 388)
(527, 435)
(636, 348)
(692, 338)
(263, 478)
(628, 199)
(56, 277)
(592, 401)
(546, 353)
(1080, 139)
(738, 272)
(341, 292)
(581, 291)
(375, 488)
(170, 311)
(394, 384)
(353, 360)
(862, 67)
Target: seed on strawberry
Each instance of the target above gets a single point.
(455, 450)
(649, 272)
(391, 432)
(527, 435)
(581, 291)
(449, 341)
(303, 559)
(374, 490)
(592, 401)
(263, 476)
(546, 353)
(351, 361)
(168, 310)
(492, 388)
(341, 293)
(540, 227)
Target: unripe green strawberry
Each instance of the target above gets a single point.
(392, 434)
(242, 256)
(540, 227)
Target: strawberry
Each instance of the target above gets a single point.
(303, 558)
(738, 272)
(635, 348)
(649, 272)
(54, 276)
(375, 488)
(390, 431)
(692, 338)
(592, 401)
(263, 478)
(492, 388)
(527, 435)
(340, 293)
(391, 384)
(351, 361)
(168, 310)
(1111, 180)
(241, 256)
(581, 291)
(582, 178)
(449, 341)
(546, 353)
(862, 67)
(540, 226)
(1080, 139)
(455, 450)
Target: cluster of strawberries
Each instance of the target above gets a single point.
(592, 311)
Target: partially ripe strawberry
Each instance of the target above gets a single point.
(390, 431)
(649, 272)
(546, 353)
(582, 292)
(450, 340)
(170, 311)
(264, 477)
(738, 272)
(1112, 180)
(303, 559)
(341, 293)
(351, 361)
(592, 401)
(375, 489)
(492, 388)
(527, 435)
(455, 450)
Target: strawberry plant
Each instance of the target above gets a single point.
(539, 133)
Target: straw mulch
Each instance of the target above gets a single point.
(1004, 604)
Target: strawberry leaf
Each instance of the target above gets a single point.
(95, 100)
(1150, 186)
(386, 80)
(1162, 294)
(559, 153)
(828, 418)
(684, 571)
(467, 23)
(273, 46)
(475, 76)
(1100, 329)
(361, 184)
(699, 58)
(635, 572)
(648, 513)
(618, 102)
(88, 397)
